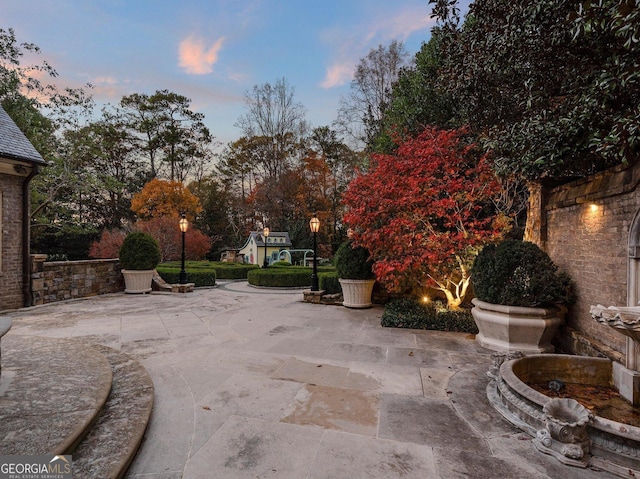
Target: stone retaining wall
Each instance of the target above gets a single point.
(53, 281)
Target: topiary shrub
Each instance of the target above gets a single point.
(519, 273)
(139, 251)
(353, 263)
(410, 313)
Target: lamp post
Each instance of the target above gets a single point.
(314, 224)
(184, 226)
(265, 234)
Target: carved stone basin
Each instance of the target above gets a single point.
(626, 320)
(562, 427)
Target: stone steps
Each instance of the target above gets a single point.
(61, 396)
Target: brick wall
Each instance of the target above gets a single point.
(11, 296)
(587, 235)
(61, 280)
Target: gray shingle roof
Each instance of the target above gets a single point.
(13, 144)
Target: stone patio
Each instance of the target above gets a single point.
(257, 383)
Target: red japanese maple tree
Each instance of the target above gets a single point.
(423, 212)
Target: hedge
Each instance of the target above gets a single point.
(223, 270)
(199, 277)
(410, 313)
(292, 277)
(328, 281)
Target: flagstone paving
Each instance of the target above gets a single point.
(255, 383)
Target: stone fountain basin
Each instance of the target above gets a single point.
(614, 446)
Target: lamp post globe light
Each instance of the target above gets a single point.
(314, 224)
(184, 226)
(265, 234)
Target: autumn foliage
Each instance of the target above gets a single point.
(166, 231)
(158, 206)
(423, 212)
(162, 197)
(108, 245)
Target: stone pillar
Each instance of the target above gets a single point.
(536, 227)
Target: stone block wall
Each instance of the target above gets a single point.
(11, 295)
(587, 225)
(61, 280)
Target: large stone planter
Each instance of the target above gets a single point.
(516, 328)
(137, 281)
(356, 293)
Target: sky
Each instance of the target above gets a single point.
(214, 51)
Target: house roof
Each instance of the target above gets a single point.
(281, 238)
(14, 145)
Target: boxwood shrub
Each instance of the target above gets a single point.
(410, 313)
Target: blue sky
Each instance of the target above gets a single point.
(213, 51)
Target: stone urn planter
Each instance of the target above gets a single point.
(516, 328)
(137, 282)
(353, 265)
(520, 297)
(139, 256)
(356, 293)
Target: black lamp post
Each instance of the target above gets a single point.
(265, 234)
(184, 226)
(314, 224)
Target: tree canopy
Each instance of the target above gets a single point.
(551, 87)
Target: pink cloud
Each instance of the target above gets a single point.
(196, 58)
(338, 74)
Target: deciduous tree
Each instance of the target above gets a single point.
(422, 211)
(162, 198)
(361, 113)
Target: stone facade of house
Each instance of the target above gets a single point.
(587, 227)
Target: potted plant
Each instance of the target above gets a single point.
(521, 297)
(353, 265)
(139, 256)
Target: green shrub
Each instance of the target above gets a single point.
(199, 277)
(410, 313)
(233, 270)
(519, 273)
(328, 281)
(281, 264)
(291, 277)
(223, 270)
(353, 263)
(139, 251)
